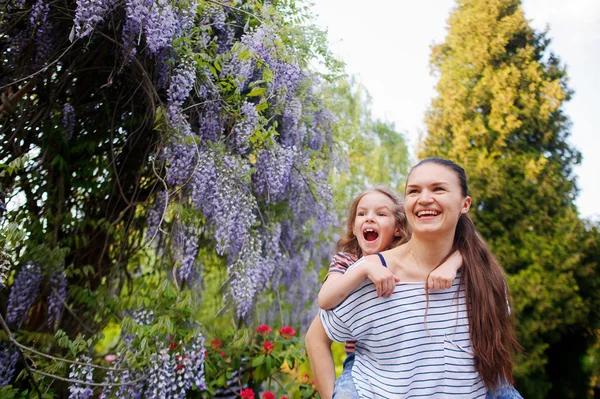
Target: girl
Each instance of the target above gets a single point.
(455, 342)
(376, 222)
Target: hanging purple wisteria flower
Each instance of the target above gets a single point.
(160, 27)
(156, 215)
(58, 284)
(161, 378)
(185, 249)
(273, 169)
(89, 13)
(8, 362)
(23, 293)
(244, 128)
(84, 374)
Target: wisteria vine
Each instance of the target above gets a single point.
(244, 145)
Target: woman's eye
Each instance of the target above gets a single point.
(413, 191)
(382, 214)
(438, 189)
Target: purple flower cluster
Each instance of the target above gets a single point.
(285, 80)
(180, 161)
(221, 190)
(83, 374)
(23, 293)
(4, 269)
(182, 81)
(161, 26)
(89, 13)
(39, 13)
(244, 128)
(234, 205)
(8, 363)
(272, 175)
(161, 375)
(211, 127)
(189, 367)
(68, 119)
(248, 276)
(196, 353)
(292, 114)
(58, 282)
(136, 12)
(143, 317)
(163, 69)
(156, 215)
(218, 16)
(240, 67)
(185, 249)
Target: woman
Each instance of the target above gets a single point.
(456, 342)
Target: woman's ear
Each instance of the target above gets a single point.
(397, 232)
(466, 205)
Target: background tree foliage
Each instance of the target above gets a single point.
(371, 151)
(499, 114)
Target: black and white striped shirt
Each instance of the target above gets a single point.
(401, 353)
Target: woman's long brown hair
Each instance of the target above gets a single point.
(491, 326)
(349, 243)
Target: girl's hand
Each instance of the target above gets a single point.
(443, 277)
(384, 280)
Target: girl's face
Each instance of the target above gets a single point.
(375, 224)
(434, 200)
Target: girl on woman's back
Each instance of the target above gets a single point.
(432, 343)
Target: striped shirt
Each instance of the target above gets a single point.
(340, 262)
(399, 353)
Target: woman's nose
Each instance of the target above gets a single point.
(425, 197)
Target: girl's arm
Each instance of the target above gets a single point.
(337, 286)
(318, 348)
(442, 277)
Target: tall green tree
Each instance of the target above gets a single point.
(370, 151)
(499, 113)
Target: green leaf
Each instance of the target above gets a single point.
(258, 361)
(257, 91)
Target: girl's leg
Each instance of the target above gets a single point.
(344, 386)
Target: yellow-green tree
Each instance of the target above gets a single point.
(499, 113)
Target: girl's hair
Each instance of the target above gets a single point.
(491, 326)
(349, 243)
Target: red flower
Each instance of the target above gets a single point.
(173, 346)
(216, 344)
(268, 347)
(263, 329)
(268, 395)
(284, 397)
(305, 379)
(247, 393)
(222, 354)
(287, 332)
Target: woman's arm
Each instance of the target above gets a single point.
(318, 348)
(337, 287)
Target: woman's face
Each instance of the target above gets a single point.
(434, 200)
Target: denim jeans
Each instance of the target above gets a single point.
(506, 391)
(344, 386)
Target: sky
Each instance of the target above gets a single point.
(386, 44)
